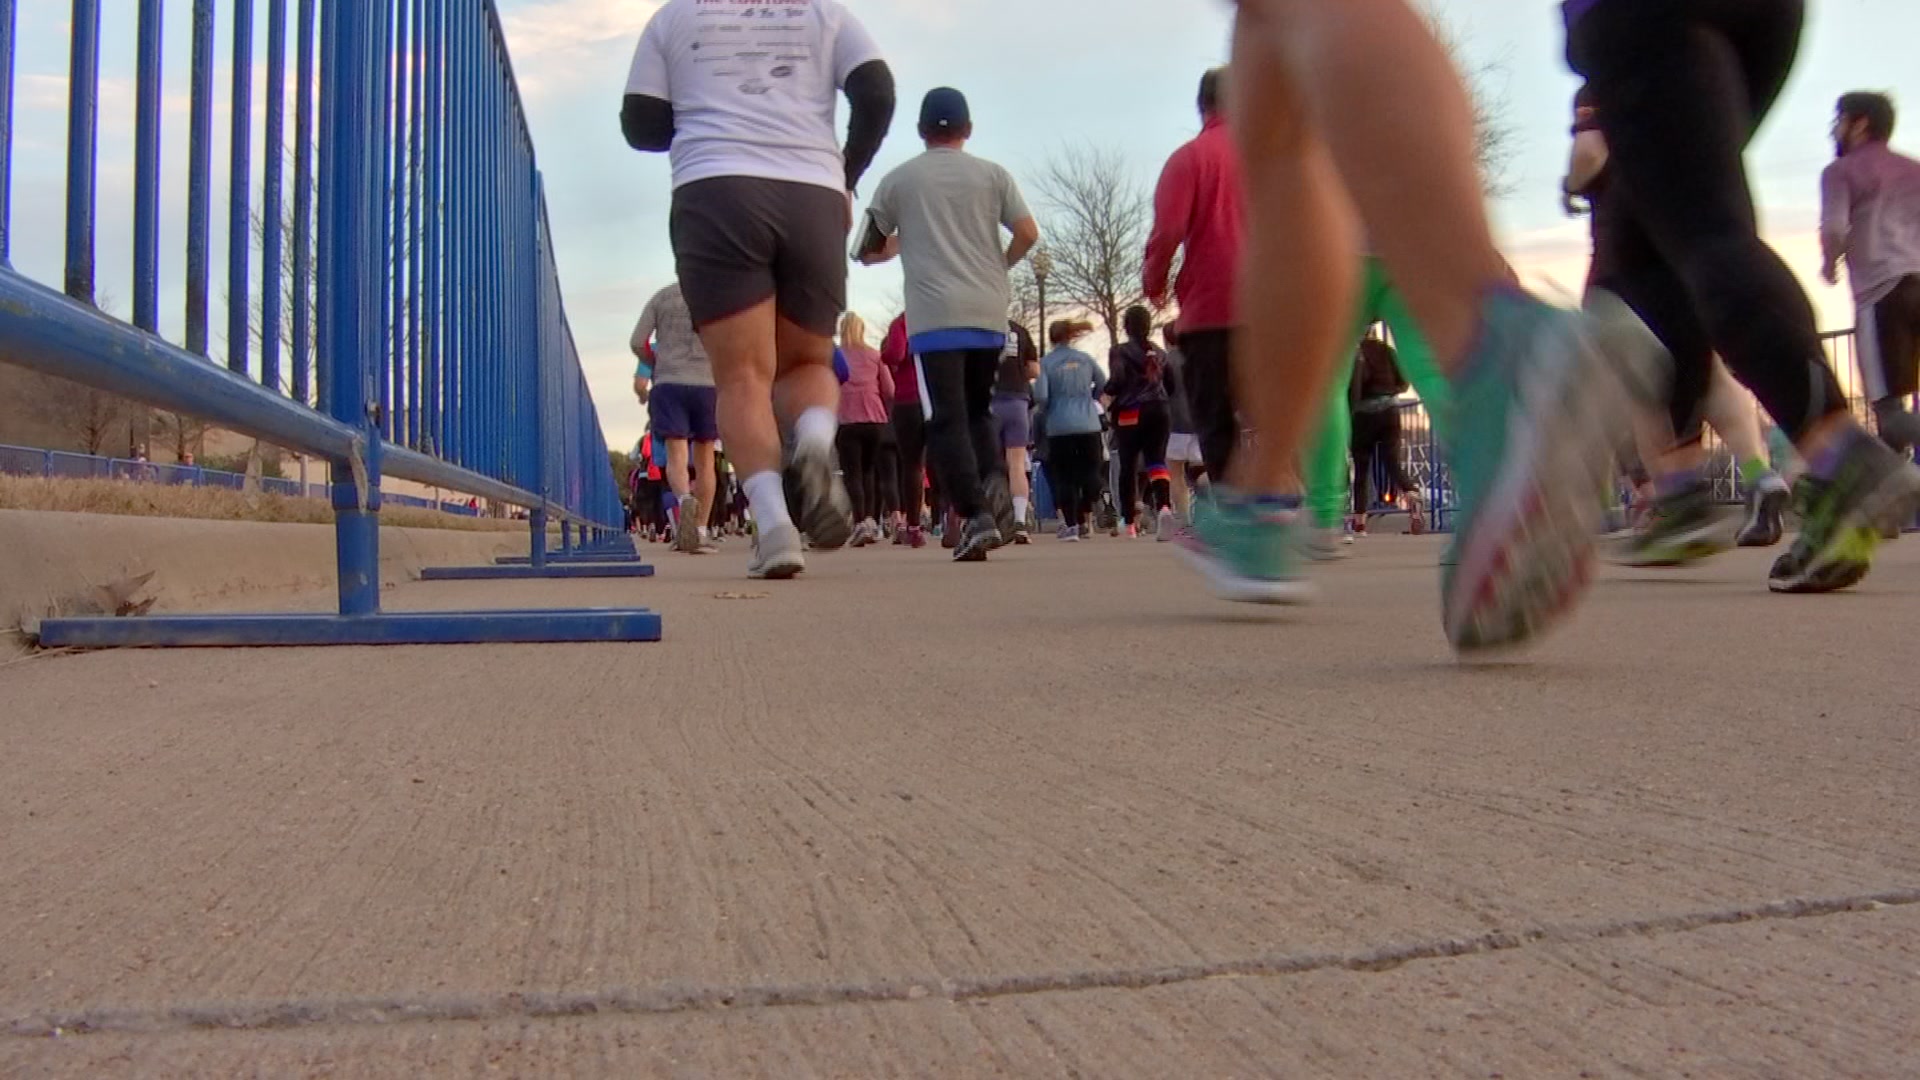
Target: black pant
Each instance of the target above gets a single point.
(910, 436)
(886, 474)
(859, 446)
(1143, 443)
(1681, 86)
(961, 446)
(1208, 381)
(1073, 472)
(1376, 438)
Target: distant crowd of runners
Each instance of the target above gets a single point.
(1245, 423)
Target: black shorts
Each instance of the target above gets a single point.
(739, 240)
(1889, 342)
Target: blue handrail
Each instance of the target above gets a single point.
(418, 307)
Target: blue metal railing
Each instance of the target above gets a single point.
(65, 465)
(420, 295)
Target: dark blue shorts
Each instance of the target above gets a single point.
(684, 412)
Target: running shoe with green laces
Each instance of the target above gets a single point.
(1843, 517)
(1535, 415)
(1684, 527)
(1248, 551)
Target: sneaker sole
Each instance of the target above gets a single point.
(1531, 554)
(785, 570)
(1230, 586)
(825, 511)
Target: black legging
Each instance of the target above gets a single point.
(859, 446)
(1376, 438)
(1073, 472)
(1144, 442)
(886, 474)
(1681, 86)
(1208, 383)
(910, 438)
(961, 446)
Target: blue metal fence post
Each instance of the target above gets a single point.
(303, 204)
(146, 170)
(349, 235)
(272, 271)
(240, 193)
(199, 176)
(6, 131)
(83, 115)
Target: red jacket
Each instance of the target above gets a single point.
(1198, 205)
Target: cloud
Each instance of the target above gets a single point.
(563, 45)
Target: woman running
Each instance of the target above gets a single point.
(1065, 392)
(864, 421)
(909, 433)
(1137, 398)
(1375, 395)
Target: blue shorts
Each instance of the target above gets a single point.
(1011, 422)
(684, 412)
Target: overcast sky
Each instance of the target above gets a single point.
(1040, 75)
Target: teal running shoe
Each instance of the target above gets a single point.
(1249, 551)
(1537, 411)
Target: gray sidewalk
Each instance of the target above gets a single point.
(1057, 815)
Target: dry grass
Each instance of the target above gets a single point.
(210, 504)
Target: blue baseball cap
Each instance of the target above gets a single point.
(944, 109)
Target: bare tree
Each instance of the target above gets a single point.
(1495, 139)
(92, 417)
(1097, 218)
(188, 434)
(1026, 297)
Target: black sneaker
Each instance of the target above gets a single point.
(977, 537)
(1842, 518)
(1685, 527)
(999, 501)
(1766, 514)
(825, 512)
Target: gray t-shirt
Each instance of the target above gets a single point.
(948, 208)
(678, 357)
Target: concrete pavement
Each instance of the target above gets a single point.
(1057, 815)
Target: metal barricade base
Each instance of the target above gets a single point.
(561, 570)
(576, 557)
(393, 628)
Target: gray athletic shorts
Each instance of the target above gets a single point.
(738, 240)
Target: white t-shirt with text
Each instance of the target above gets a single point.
(754, 84)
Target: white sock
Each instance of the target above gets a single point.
(816, 427)
(1019, 509)
(768, 499)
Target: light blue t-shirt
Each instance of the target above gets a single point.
(1066, 392)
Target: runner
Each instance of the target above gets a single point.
(1012, 418)
(1870, 216)
(1197, 214)
(1067, 394)
(1680, 88)
(943, 213)
(680, 412)
(761, 206)
(1374, 392)
(1183, 445)
(1682, 524)
(909, 433)
(1324, 129)
(1136, 394)
(863, 427)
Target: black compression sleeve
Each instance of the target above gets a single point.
(647, 122)
(870, 92)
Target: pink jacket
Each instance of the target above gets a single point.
(867, 396)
